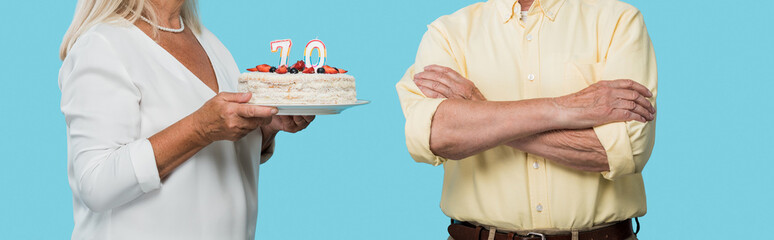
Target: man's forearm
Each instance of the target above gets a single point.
(462, 128)
(577, 149)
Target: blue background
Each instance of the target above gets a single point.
(349, 176)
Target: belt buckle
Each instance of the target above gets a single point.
(535, 234)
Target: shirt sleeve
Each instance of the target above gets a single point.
(418, 109)
(630, 56)
(110, 164)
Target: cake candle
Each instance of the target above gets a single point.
(320, 46)
(284, 45)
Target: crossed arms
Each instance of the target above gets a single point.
(559, 129)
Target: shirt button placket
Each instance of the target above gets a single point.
(538, 175)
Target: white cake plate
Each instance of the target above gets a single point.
(310, 109)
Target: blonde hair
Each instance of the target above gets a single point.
(92, 12)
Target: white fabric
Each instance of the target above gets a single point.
(118, 88)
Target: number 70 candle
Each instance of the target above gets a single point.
(284, 45)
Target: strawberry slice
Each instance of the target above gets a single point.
(342, 70)
(299, 65)
(330, 70)
(252, 69)
(263, 67)
(308, 70)
(282, 69)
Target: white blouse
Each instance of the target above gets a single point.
(119, 87)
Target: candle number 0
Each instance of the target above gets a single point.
(320, 52)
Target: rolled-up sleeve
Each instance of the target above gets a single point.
(630, 56)
(418, 109)
(109, 162)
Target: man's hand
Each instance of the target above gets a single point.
(605, 102)
(442, 82)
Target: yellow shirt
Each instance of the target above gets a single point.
(561, 48)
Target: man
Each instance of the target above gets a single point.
(542, 118)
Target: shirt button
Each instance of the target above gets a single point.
(539, 207)
(529, 37)
(535, 165)
(531, 77)
(550, 13)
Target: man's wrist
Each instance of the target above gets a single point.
(553, 114)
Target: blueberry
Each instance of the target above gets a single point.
(321, 70)
(293, 70)
(272, 69)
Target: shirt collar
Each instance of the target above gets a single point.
(509, 9)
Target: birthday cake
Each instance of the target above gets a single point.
(298, 84)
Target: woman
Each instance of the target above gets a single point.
(158, 145)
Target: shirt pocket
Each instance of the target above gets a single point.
(583, 74)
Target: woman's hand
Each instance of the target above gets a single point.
(443, 82)
(291, 124)
(224, 117)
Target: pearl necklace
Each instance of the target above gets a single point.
(182, 25)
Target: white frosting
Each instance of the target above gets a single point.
(300, 88)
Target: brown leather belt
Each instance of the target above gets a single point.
(466, 231)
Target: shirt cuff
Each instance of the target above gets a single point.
(144, 163)
(615, 139)
(418, 126)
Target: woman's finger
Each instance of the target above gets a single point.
(242, 124)
(299, 120)
(260, 121)
(289, 124)
(252, 111)
(235, 97)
